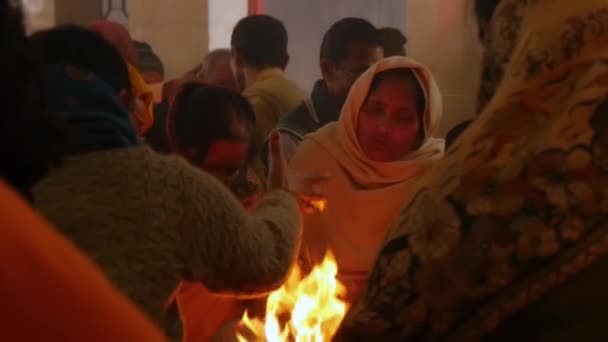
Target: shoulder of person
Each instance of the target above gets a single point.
(262, 102)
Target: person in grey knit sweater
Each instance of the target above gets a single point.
(150, 220)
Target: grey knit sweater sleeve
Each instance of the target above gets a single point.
(232, 252)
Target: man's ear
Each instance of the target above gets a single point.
(236, 58)
(285, 63)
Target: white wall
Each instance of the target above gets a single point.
(223, 16)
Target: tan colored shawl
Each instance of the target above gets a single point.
(520, 203)
(364, 196)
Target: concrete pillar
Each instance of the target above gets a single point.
(176, 30)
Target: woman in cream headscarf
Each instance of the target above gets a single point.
(375, 153)
(510, 229)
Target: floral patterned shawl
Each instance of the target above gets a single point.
(519, 205)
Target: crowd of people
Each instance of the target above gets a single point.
(133, 215)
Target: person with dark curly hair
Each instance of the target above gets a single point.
(349, 47)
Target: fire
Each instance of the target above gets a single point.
(302, 310)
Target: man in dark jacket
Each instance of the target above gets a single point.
(349, 47)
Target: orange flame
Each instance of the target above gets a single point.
(312, 305)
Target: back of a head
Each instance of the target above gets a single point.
(342, 34)
(32, 139)
(261, 41)
(217, 57)
(119, 37)
(393, 41)
(203, 114)
(83, 48)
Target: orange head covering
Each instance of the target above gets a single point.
(143, 115)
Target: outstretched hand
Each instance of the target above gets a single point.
(306, 187)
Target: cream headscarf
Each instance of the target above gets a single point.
(340, 139)
(364, 196)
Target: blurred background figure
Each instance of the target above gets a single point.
(215, 70)
(393, 42)
(119, 37)
(259, 58)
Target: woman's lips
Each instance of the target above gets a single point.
(378, 145)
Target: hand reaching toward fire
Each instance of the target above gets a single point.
(306, 187)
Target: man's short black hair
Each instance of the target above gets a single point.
(261, 41)
(345, 32)
(83, 48)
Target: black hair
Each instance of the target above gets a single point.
(484, 9)
(261, 41)
(343, 34)
(456, 132)
(203, 114)
(419, 95)
(86, 49)
(393, 41)
(33, 139)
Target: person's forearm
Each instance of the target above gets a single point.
(246, 255)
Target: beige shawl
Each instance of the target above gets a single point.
(364, 196)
